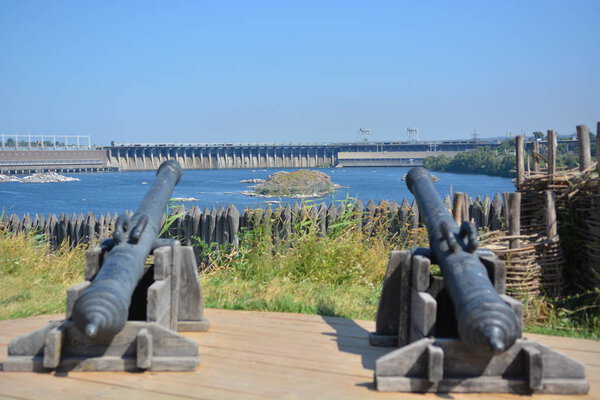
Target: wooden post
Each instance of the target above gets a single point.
(552, 146)
(277, 225)
(358, 215)
(234, 225)
(476, 212)
(585, 155)
(520, 145)
(212, 226)
(460, 207)
(514, 218)
(551, 222)
(457, 207)
(496, 213)
(205, 222)
(393, 218)
(485, 218)
(414, 217)
(535, 156)
(323, 220)
(369, 213)
(219, 225)
(287, 225)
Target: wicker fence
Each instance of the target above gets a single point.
(553, 227)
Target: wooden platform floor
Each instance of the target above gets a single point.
(253, 355)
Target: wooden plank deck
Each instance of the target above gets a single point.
(253, 355)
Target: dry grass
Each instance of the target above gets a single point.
(33, 279)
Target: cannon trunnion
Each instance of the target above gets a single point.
(458, 332)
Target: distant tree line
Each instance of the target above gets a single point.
(482, 161)
(501, 160)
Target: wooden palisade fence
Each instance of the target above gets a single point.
(223, 225)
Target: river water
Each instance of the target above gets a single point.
(119, 191)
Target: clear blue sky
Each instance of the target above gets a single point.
(289, 71)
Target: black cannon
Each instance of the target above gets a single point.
(101, 311)
(458, 332)
(126, 313)
(485, 322)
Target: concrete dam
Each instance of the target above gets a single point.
(133, 156)
(26, 159)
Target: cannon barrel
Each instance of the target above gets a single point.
(102, 309)
(486, 324)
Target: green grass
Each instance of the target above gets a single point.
(339, 274)
(279, 294)
(566, 330)
(33, 279)
(573, 316)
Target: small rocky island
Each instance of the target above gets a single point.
(46, 177)
(302, 183)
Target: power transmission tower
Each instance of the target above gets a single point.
(365, 133)
(412, 134)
